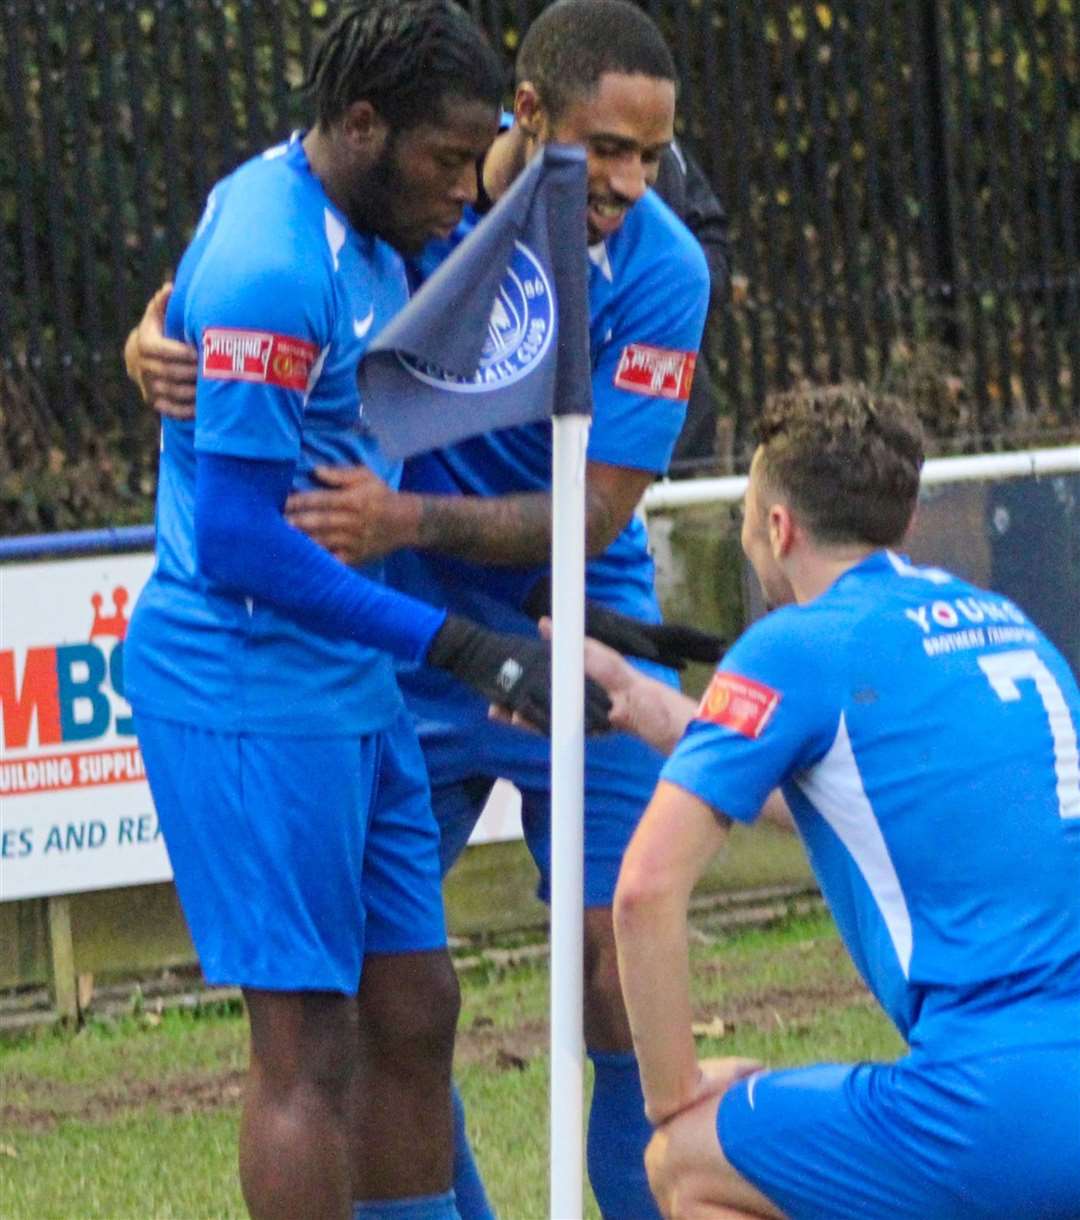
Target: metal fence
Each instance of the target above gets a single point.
(901, 177)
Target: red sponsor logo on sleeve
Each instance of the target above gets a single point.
(657, 371)
(229, 354)
(739, 704)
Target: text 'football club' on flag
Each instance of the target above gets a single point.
(499, 335)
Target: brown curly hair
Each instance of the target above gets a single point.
(845, 458)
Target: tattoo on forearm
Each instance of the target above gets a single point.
(503, 529)
(496, 529)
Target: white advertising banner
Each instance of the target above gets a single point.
(75, 807)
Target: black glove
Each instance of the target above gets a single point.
(511, 670)
(669, 644)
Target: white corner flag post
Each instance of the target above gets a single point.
(571, 433)
(571, 417)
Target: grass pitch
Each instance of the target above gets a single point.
(138, 1117)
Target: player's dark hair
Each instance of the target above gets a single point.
(846, 459)
(405, 57)
(574, 42)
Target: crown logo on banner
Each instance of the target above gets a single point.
(114, 624)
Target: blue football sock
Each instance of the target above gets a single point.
(472, 1201)
(618, 1135)
(418, 1207)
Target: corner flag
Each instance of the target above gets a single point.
(499, 335)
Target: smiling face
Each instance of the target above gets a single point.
(417, 184)
(625, 125)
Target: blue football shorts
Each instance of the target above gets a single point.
(620, 777)
(994, 1135)
(293, 857)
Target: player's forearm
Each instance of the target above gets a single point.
(655, 974)
(514, 529)
(654, 712)
(244, 544)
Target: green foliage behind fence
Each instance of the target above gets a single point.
(897, 172)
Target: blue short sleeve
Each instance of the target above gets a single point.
(643, 361)
(261, 330)
(771, 709)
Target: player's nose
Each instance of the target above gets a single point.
(465, 189)
(629, 180)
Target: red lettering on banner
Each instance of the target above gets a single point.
(39, 693)
(657, 371)
(60, 772)
(229, 354)
(739, 704)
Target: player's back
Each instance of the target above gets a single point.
(280, 296)
(941, 807)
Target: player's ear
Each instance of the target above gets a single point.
(529, 113)
(362, 125)
(781, 530)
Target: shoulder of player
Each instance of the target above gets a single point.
(272, 242)
(653, 229)
(788, 628)
(810, 643)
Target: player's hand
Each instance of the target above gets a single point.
(163, 369)
(718, 1075)
(354, 515)
(671, 644)
(715, 1077)
(611, 671)
(513, 671)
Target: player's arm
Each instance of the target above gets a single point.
(770, 711)
(163, 369)
(245, 545)
(653, 711)
(674, 842)
(359, 518)
(638, 413)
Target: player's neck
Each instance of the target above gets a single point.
(320, 156)
(816, 569)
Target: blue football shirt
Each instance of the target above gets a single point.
(925, 736)
(281, 296)
(648, 295)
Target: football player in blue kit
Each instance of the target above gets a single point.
(924, 735)
(471, 527)
(285, 770)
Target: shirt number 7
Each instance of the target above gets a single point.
(1004, 670)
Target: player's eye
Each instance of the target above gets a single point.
(603, 148)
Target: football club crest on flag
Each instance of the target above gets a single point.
(499, 335)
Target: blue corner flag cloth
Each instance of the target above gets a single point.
(499, 335)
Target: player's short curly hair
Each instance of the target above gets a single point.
(846, 459)
(574, 42)
(406, 57)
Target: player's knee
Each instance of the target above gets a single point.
(674, 1187)
(658, 1169)
(303, 1045)
(687, 1170)
(602, 987)
(412, 1015)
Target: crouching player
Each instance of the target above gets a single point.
(924, 734)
